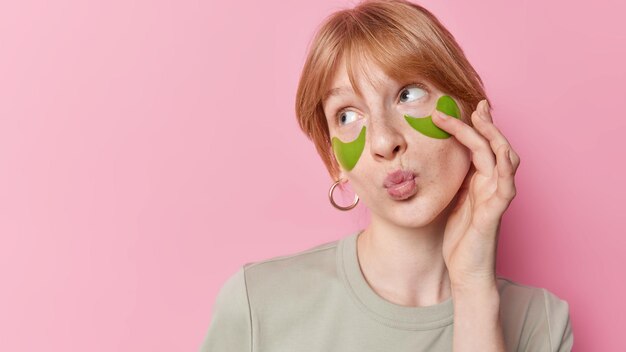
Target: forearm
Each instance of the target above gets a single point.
(477, 325)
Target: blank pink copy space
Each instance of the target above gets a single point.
(150, 148)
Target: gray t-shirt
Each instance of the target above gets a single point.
(318, 300)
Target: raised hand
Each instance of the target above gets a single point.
(472, 231)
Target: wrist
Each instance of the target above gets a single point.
(484, 283)
(484, 297)
(477, 323)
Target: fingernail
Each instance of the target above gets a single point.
(485, 112)
(442, 115)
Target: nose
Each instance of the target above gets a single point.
(386, 139)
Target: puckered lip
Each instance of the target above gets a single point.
(397, 177)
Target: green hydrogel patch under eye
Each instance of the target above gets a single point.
(427, 127)
(348, 153)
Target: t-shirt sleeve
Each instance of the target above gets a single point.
(230, 329)
(553, 330)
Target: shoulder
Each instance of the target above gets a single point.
(305, 254)
(291, 284)
(516, 295)
(230, 327)
(269, 288)
(535, 316)
(312, 265)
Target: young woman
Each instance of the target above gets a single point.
(394, 107)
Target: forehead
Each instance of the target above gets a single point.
(364, 73)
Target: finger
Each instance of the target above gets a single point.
(482, 155)
(505, 191)
(489, 130)
(515, 159)
(468, 177)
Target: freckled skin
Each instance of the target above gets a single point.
(442, 164)
(425, 125)
(348, 153)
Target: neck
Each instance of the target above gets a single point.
(405, 265)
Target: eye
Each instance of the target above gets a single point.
(346, 116)
(412, 93)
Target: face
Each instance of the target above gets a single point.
(372, 138)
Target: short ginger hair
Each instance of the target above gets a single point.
(403, 39)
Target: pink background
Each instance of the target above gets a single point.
(149, 148)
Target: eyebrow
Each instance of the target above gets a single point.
(345, 89)
(335, 91)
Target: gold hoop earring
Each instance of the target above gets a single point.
(332, 201)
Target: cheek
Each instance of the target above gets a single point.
(447, 164)
(456, 162)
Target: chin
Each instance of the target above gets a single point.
(413, 212)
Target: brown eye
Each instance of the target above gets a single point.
(411, 94)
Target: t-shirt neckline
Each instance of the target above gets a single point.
(380, 309)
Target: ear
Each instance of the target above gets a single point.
(342, 176)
